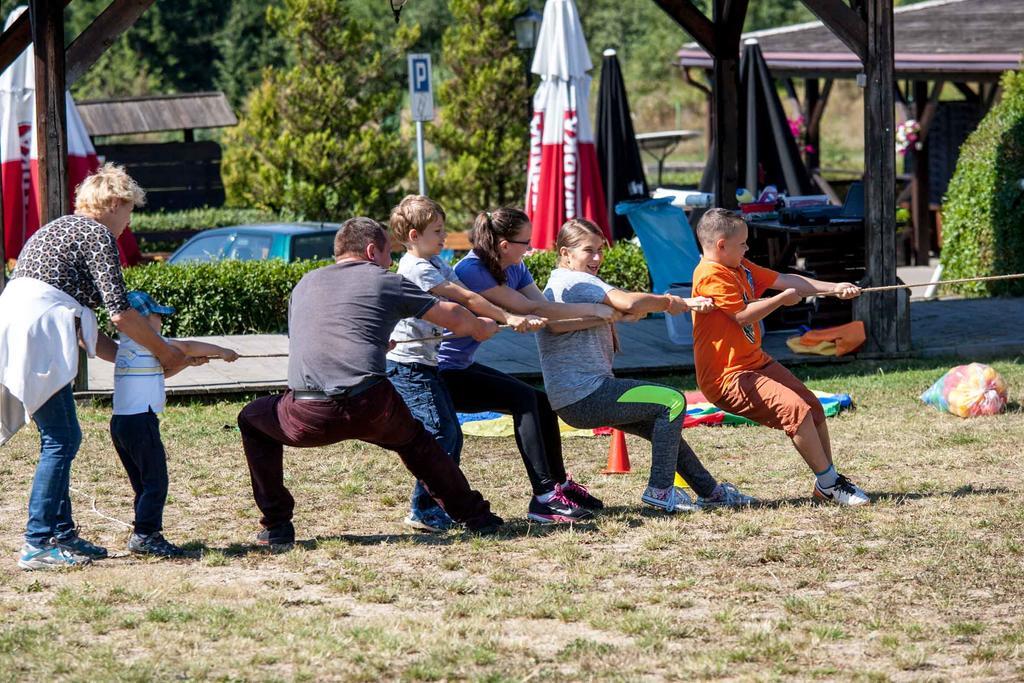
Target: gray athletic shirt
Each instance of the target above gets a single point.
(425, 274)
(575, 363)
(339, 320)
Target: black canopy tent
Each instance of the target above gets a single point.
(618, 154)
(768, 153)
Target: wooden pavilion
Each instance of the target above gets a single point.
(967, 44)
(865, 27)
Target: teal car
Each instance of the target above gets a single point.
(285, 241)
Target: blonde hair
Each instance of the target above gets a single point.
(105, 189)
(717, 223)
(573, 231)
(414, 212)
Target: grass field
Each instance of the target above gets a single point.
(922, 585)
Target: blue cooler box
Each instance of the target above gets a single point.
(680, 327)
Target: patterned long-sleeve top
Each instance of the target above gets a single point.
(78, 256)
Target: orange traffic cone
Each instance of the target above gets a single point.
(618, 458)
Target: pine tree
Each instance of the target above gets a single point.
(482, 132)
(247, 45)
(321, 139)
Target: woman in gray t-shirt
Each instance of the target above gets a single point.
(583, 391)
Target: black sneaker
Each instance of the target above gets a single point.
(579, 494)
(153, 544)
(485, 525)
(559, 509)
(281, 536)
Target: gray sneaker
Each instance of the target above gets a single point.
(672, 499)
(725, 495)
(76, 545)
(49, 556)
(153, 544)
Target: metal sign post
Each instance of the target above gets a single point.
(421, 97)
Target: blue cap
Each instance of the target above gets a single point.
(144, 304)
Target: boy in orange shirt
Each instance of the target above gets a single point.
(735, 373)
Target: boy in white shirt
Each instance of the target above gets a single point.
(418, 224)
(135, 429)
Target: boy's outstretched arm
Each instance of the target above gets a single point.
(806, 286)
(756, 311)
(198, 349)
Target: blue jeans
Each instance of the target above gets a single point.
(421, 388)
(137, 442)
(49, 503)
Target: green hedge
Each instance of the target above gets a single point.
(251, 297)
(983, 211)
(231, 297)
(198, 219)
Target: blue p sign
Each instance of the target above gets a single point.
(420, 75)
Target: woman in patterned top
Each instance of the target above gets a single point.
(78, 256)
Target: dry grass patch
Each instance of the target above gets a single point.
(924, 584)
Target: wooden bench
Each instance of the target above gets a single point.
(458, 241)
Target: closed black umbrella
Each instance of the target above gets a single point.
(618, 155)
(767, 150)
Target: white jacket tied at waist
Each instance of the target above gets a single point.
(38, 348)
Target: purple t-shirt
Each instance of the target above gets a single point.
(457, 353)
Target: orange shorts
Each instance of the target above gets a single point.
(771, 396)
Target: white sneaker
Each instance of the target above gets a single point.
(845, 492)
(725, 495)
(672, 499)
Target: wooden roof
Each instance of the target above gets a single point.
(156, 113)
(966, 40)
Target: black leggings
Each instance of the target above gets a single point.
(479, 388)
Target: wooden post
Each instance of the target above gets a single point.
(887, 323)
(47, 19)
(812, 140)
(920, 195)
(725, 88)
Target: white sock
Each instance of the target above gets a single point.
(828, 478)
(546, 497)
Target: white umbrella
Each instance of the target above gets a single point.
(19, 154)
(563, 180)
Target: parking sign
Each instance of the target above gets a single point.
(421, 92)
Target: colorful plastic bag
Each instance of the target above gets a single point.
(968, 391)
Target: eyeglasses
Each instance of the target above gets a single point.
(525, 243)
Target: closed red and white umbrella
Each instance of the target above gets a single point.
(563, 180)
(19, 155)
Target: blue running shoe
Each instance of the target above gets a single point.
(49, 556)
(432, 520)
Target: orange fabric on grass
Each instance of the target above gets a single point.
(721, 346)
(847, 338)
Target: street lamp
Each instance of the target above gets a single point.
(396, 8)
(527, 27)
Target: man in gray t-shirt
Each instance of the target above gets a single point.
(340, 318)
(575, 363)
(339, 321)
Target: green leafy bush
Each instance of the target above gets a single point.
(199, 219)
(624, 267)
(983, 211)
(229, 297)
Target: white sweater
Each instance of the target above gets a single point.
(38, 348)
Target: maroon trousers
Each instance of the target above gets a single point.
(377, 416)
